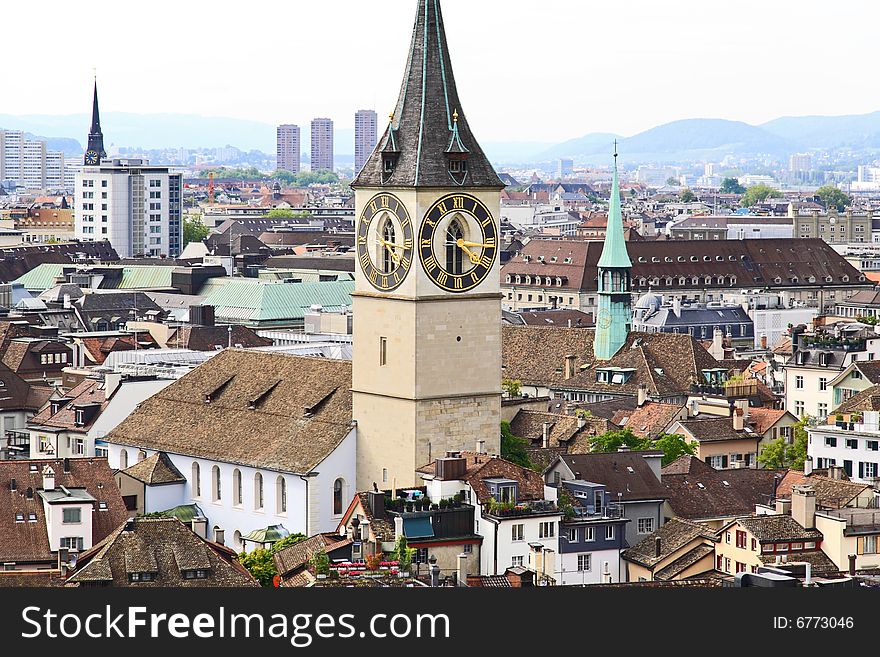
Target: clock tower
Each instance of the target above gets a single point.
(613, 319)
(426, 372)
(95, 149)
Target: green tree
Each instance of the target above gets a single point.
(260, 564)
(832, 197)
(674, 445)
(867, 319)
(673, 181)
(611, 441)
(194, 230)
(512, 387)
(757, 194)
(513, 448)
(731, 186)
(403, 554)
(285, 213)
(778, 454)
(321, 562)
(798, 449)
(686, 196)
(774, 455)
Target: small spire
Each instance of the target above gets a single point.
(455, 116)
(615, 152)
(391, 116)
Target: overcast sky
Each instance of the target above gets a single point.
(527, 70)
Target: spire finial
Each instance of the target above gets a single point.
(615, 149)
(455, 116)
(391, 115)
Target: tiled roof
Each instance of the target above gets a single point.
(563, 317)
(479, 467)
(763, 419)
(684, 562)
(382, 528)
(206, 338)
(870, 369)
(648, 420)
(258, 409)
(717, 429)
(164, 546)
(299, 554)
(88, 392)
(775, 528)
(673, 535)
(155, 469)
(820, 562)
(18, 394)
(621, 472)
(529, 424)
(866, 400)
(698, 491)
(28, 541)
(830, 493)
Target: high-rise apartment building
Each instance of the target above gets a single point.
(322, 145)
(134, 205)
(800, 162)
(27, 163)
(287, 149)
(364, 137)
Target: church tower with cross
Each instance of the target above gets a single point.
(614, 316)
(426, 372)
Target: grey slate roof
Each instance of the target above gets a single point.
(422, 128)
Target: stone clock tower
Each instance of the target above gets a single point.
(95, 149)
(427, 303)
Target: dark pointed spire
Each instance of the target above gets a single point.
(415, 149)
(95, 149)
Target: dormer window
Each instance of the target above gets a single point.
(198, 573)
(388, 163)
(141, 577)
(457, 166)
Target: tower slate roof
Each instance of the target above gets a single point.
(423, 129)
(614, 252)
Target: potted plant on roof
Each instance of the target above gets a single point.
(321, 564)
(457, 499)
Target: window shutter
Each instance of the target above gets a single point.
(861, 469)
(860, 545)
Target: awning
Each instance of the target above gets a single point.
(418, 527)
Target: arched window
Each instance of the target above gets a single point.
(141, 455)
(337, 496)
(216, 493)
(453, 251)
(387, 250)
(123, 459)
(236, 487)
(280, 495)
(237, 543)
(196, 480)
(258, 492)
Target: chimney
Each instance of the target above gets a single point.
(808, 465)
(200, 527)
(63, 559)
(435, 572)
(66, 466)
(738, 420)
(657, 547)
(743, 405)
(642, 395)
(48, 478)
(481, 447)
(803, 506)
(717, 349)
(676, 306)
(569, 366)
(852, 565)
(763, 342)
(398, 527)
(376, 500)
(545, 435)
(783, 507)
(582, 422)
(219, 536)
(462, 572)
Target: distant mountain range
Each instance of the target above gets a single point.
(688, 140)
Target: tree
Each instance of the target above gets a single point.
(194, 230)
(798, 448)
(285, 213)
(757, 194)
(674, 445)
(513, 448)
(832, 197)
(261, 563)
(731, 186)
(686, 195)
(774, 456)
(611, 441)
(403, 554)
(512, 387)
(673, 181)
(778, 454)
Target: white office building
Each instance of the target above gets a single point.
(137, 207)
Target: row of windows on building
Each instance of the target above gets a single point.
(216, 492)
(866, 469)
(49, 359)
(539, 299)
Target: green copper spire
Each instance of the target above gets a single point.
(614, 252)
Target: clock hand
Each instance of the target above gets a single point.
(392, 244)
(480, 244)
(473, 257)
(395, 258)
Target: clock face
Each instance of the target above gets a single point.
(604, 319)
(385, 241)
(458, 242)
(91, 157)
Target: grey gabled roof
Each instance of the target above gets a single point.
(423, 127)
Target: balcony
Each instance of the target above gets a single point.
(843, 344)
(511, 510)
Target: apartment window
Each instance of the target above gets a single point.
(467, 549)
(646, 526)
(79, 446)
(103, 183)
(740, 539)
(799, 382)
(852, 443)
(726, 565)
(517, 532)
(384, 474)
(609, 532)
(830, 441)
(823, 410)
(799, 408)
(870, 546)
(88, 183)
(383, 351)
(872, 445)
(754, 545)
(727, 538)
(281, 495)
(869, 470)
(585, 563)
(516, 561)
(195, 574)
(823, 383)
(141, 577)
(547, 530)
(589, 534)
(72, 516)
(572, 535)
(740, 567)
(72, 542)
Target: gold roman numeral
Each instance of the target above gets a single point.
(365, 259)
(407, 243)
(425, 244)
(441, 206)
(486, 222)
(458, 203)
(404, 262)
(486, 262)
(374, 276)
(431, 264)
(396, 277)
(489, 242)
(384, 200)
(384, 281)
(441, 277)
(474, 278)
(374, 207)
(457, 283)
